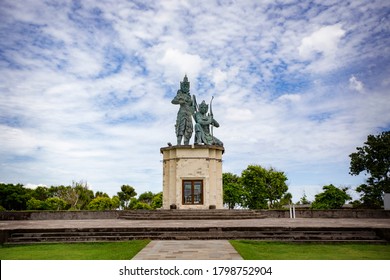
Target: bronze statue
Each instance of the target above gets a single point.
(205, 122)
(184, 126)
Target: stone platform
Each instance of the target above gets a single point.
(279, 229)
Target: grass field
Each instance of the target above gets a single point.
(249, 250)
(256, 250)
(74, 251)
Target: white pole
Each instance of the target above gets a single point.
(290, 212)
(294, 211)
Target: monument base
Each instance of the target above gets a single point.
(192, 177)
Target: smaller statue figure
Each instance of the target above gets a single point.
(202, 126)
(184, 126)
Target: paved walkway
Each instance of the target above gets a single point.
(188, 250)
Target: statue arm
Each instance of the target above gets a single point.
(200, 120)
(178, 99)
(215, 123)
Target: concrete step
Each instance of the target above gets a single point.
(190, 214)
(116, 234)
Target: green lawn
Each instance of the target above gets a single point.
(249, 250)
(74, 251)
(257, 250)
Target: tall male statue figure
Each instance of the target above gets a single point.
(184, 126)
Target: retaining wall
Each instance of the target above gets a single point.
(339, 213)
(80, 215)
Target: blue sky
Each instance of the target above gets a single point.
(86, 87)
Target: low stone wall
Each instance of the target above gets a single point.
(58, 215)
(87, 215)
(339, 213)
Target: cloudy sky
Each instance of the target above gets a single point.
(86, 86)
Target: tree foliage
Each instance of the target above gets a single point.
(147, 201)
(51, 203)
(125, 195)
(55, 203)
(75, 197)
(285, 200)
(374, 160)
(14, 197)
(303, 200)
(41, 193)
(263, 188)
(103, 203)
(331, 198)
(157, 201)
(232, 190)
(146, 197)
(36, 204)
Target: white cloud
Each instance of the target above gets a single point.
(176, 63)
(355, 84)
(219, 77)
(239, 114)
(83, 63)
(325, 41)
(322, 46)
(290, 97)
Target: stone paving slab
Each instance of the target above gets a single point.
(188, 250)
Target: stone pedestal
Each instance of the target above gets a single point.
(192, 177)
(386, 201)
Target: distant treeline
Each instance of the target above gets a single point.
(78, 196)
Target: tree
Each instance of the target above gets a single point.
(132, 203)
(157, 201)
(370, 197)
(146, 200)
(331, 198)
(232, 190)
(115, 202)
(263, 188)
(146, 197)
(78, 196)
(35, 204)
(304, 199)
(41, 193)
(285, 200)
(83, 193)
(66, 193)
(100, 203)
(55, 203)
(102, 194)
(127, 192)
(373, 159)
(14, 197)
(141, 205)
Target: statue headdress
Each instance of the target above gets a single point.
(204, 105)
(185, 84)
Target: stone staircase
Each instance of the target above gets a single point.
(215, 214)
(319, 235)
(195, 231)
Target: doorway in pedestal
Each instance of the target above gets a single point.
(192, 192)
